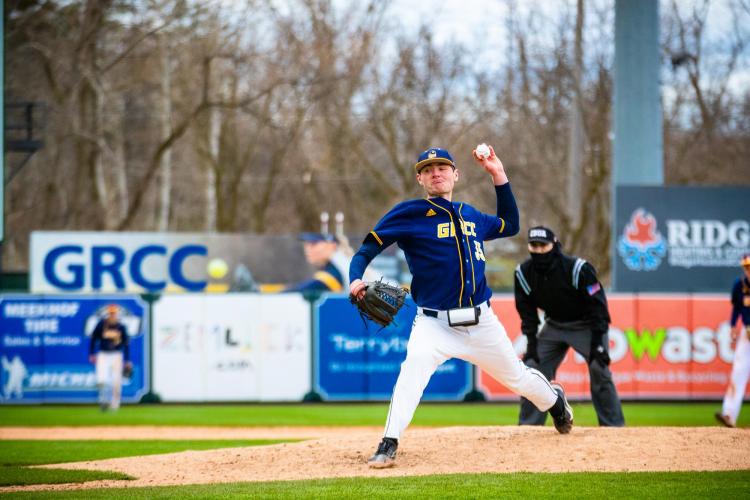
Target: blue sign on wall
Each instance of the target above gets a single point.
(358, 361)
(679, 238)
(44, 347)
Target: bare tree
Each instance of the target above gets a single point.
(165, 121)
(704, 139)
(258, 115)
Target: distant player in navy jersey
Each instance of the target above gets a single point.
(321, 253)
(735, 393)
(443, 241)
(109, 351)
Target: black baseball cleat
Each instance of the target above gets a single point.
(563, 422)
(723, 419)
(385, 456)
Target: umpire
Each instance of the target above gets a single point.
(576, 315)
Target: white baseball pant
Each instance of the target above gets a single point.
(738, 380)
(109, 377)
(486, 344)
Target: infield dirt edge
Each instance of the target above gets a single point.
(342, 452)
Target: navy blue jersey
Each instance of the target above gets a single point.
(109, 338)
(443, 243)
(324, 280)
(741, 301)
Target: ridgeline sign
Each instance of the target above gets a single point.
(679, 239)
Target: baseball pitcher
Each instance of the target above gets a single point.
(443, 241)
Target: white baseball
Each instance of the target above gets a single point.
(483, 150)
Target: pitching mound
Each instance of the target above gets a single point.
(343, 453)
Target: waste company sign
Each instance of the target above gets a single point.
(675, 346)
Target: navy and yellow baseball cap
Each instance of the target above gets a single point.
(434, 155)
(316, 237)
(745, 261)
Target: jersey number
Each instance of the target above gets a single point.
(478, 253)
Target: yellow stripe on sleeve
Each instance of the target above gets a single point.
(329, 280)
(377, 238)
(502, 226)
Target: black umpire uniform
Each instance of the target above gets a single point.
(576, 315)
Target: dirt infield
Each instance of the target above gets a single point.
(342, 452)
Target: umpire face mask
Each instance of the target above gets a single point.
(543, 262)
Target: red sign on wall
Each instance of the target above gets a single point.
(662, 347)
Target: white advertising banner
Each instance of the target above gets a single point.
(234, 347)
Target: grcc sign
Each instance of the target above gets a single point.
(122, 262)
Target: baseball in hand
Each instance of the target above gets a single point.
(483, 150)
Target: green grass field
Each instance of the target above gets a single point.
(521, 485)
(636, 414)
(16, 454)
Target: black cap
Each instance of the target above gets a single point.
(541, 234)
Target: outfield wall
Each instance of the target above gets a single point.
(284, 347)
(662, 347)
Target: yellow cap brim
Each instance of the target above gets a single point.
(419, 165)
